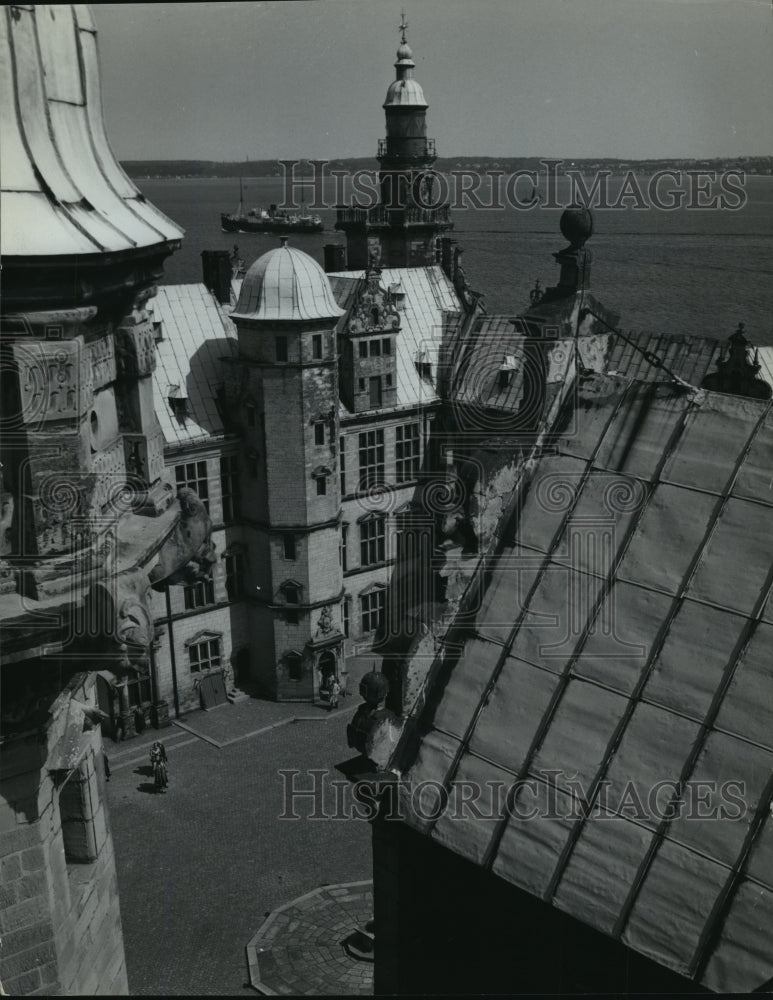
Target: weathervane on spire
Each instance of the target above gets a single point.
(403, 25)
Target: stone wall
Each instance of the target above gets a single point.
(60, 920)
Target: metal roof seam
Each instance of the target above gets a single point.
(555, 697)
(716, 702)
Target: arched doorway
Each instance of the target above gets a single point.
(327, 666)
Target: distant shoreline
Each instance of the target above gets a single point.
(261, 169)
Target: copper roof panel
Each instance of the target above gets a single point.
(721, 834)
(715, 434)
(434, 757)
(467, 829)
(641, 430)
(625, 630)
(62, 71)
(747, 708)
(511, 717)
(535, 834)
(464, 687)
(737, 562)
(601, 867)
(555, 617)
(653, 749)
(759, 864)
(577, 739)
(685, 682)
(504, 600)
(755, 478)
(670, 911)
(742, 960)
(549, 500)
(26, 214)
(673, 526)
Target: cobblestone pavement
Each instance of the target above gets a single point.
(201, 867)
(304, 947)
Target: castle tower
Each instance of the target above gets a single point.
(283, 392)
(403, 230)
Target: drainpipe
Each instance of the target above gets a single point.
(172, 658)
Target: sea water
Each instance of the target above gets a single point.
(686, 271)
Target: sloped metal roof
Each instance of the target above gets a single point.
(691, 358)
(622, 652)
(195, 337)
(63, 192)
(425, 295)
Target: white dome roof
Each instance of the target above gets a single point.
(286, 284)
(405, 92)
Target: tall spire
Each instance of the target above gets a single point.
(403, 27)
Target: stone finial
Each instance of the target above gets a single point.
(736, 373)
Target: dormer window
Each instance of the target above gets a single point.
(506, 369)
(179, 403)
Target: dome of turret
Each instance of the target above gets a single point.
(286, 284)
(405, 92)
(405, 53)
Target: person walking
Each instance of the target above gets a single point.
(158, 763)
(335, 691)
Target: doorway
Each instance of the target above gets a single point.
(327, 669)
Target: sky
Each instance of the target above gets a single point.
(558, 78)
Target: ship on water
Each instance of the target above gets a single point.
(270, 220)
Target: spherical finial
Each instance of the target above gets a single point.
(577, 225)
(374, 687)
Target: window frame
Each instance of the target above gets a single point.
(373, 540)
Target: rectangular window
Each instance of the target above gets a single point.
(374, 383)
(371, 458)
(388, 379)
(229, 484)
(234, 576)
(386, 346)
(199, 594)
(194, 476)
(346, 616)
(407, 452)
(372, 541)
(362, 385)
(204, 655)
(289, 546)
(375, 348)
(372, 610)
(321, 486)
(342, 463)
(363, 348)
(316, 346)
(281, 348)
(344, 534)
(319, 433)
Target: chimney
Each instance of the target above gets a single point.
(335, 257)
(216, 268)
(447, 255)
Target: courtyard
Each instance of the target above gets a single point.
(201, 867)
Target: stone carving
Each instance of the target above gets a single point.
(135, 348)
(375, 308)
(736, 373)
(188, 554)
